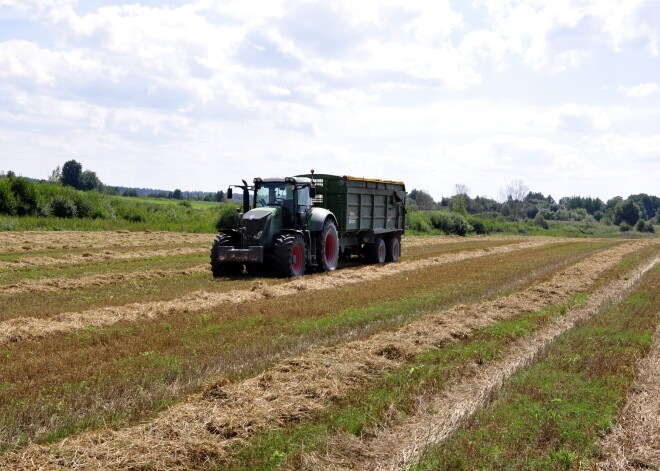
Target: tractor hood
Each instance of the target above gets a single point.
(257, 221)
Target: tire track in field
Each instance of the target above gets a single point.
(67, 284)
(57, 240)
(24, 328)
(634, 443)
(201, 430)
(98, 257)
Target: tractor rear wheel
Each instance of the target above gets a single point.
(223, 268)
(290, 255)
(328, 247)
(377, 251)
(393, 249)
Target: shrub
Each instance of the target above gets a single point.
(643, 226)
(25, 195)
(624, 226)
(7, 199)
(419, 221)
(228, 217)
(185, 204)
(62, 207)
(480, 226)
(540, 221)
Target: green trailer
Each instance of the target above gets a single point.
(308, 222)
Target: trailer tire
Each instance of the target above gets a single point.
(393, 249)
(223, 268)
(328, 247)
(377, 251)
(290, 255)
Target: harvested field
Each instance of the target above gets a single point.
(335, 335)
(27, 327)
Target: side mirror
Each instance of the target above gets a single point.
(312, 192)
(230, 194)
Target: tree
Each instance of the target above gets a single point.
(71, 171)
(11, 174)
(131, 192)
(219, 196)
(423, 199)
(460, 199)
(89, 181)
(514, 195)
(55, 176)
(626, 212)
(177, 195)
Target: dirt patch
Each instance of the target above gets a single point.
(88, 257)
(205, 424)
(64, 284)
(14, 330)
(634, 443)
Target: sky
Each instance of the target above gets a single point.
(563, 95)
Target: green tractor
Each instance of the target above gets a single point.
(302, 223)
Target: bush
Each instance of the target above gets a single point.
(480, 226)
(228, 217)
(643, 226)
(63, 207)
(540, 221)
(7, 199)
(419, 221)
(624, 226)
(25, 195)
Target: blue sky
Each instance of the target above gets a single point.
(563, 95)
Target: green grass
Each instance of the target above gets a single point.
(193, 204)
(231, 340)
(393, 394)
(552, 415)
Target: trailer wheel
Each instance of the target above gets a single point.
(328, 252)
(377, 251)
(223, 268)
(393, 249)
(290, 255)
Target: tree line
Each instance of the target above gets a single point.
(518, 203)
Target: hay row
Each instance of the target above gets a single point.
(99, 256)
(199, 430)
(398, 447)
(58, 240)
(24, 328)
(67, 284)
(634, 442)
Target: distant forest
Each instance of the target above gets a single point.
(69, 192)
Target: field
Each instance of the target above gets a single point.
(119, 350)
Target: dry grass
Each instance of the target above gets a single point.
(20, 329)
(142, 366)
(634, 443)
(199, 430)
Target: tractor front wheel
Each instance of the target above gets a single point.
(290, 255)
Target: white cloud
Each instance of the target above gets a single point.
(640, 91)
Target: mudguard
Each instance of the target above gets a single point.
(317, 218)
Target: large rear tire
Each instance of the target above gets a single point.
(223, 268)
(290, 255)
(393, 249)
(328, 247)
(377, 251)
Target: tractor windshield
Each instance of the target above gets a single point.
(274, 194)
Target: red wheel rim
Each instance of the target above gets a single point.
(329, 247)
(297, 259)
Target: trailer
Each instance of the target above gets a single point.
(307, 222)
